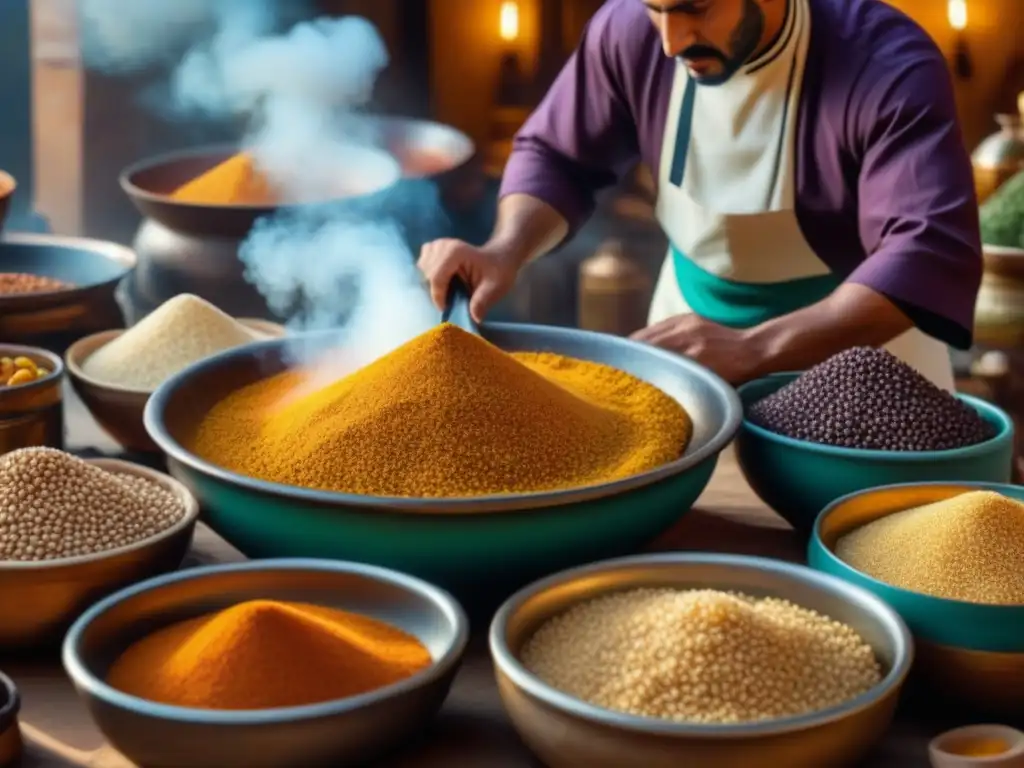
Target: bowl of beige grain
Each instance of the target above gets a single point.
(940, 554)
(698, 659)
(115, 372)
(75, 530)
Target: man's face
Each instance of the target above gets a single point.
(713, 38)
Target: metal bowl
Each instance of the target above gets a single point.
(565, 732)
(150, 183)
(10, 732)
(32, 414)
(118, 410)
(971, 650)
(40, 600)
(798, 479)
(95, 268)
(344, 732)
(8, 186)
(487, 546)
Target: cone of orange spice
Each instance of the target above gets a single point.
(265, 654)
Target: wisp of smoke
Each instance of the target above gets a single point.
(118, 36)
(356, 277)
(301, 91)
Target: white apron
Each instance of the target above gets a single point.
(726, 200)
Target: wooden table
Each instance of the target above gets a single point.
(472, 731)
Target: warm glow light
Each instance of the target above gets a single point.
(957, 12)
(509, 28)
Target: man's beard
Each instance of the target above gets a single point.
(743, 44)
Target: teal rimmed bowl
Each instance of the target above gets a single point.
(798, 479)
(971, 650)
(480, 549)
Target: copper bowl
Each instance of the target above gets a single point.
(118, 410)
(31, 414)
(7, 188)
(40, 600)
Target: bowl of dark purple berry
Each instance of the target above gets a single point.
(860, 420)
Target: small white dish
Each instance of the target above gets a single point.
(952, 749)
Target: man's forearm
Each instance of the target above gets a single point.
(853, 316)
(527, 228)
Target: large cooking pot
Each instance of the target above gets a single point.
(186, 247)
(478, 548)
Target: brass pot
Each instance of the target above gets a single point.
(999, 315)
(999, 157)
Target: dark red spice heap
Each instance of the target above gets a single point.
(867, 398)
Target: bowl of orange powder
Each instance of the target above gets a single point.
(478, 463)
(272, 664)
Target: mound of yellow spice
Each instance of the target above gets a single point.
(264, 654)
(449, 415)
(236, 181)
(967, 547)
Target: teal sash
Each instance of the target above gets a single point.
(744, 305)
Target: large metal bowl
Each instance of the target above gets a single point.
(470, 546)
(566, 732)
(973, 652)
(54, 319)
(344, 732)
(40, 600)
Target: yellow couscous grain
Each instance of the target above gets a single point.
(701, 656)
(968, 547)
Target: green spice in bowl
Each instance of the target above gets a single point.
(860, 420)
(946, 557)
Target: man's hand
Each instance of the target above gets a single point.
(730, 353)
(487, 272)
(852, 316)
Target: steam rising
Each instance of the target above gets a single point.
(301, 91)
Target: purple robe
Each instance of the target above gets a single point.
(885, 193)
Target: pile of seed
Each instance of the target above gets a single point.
(19, 282)
(969, 547)
(181, 331)
(54, 505)
(867, 398)
(701, 656)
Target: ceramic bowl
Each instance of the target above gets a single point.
(798, 479)
(31, 414)
(480, 549)
(119, 410)
(40, 600)
(55, 319)
(565, 732)
(344, 732)
(972, 651)
(948, 750)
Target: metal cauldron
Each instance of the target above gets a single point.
(194, 248)
(477, 548)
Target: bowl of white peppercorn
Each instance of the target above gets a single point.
(699, 659)
(75, 530)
